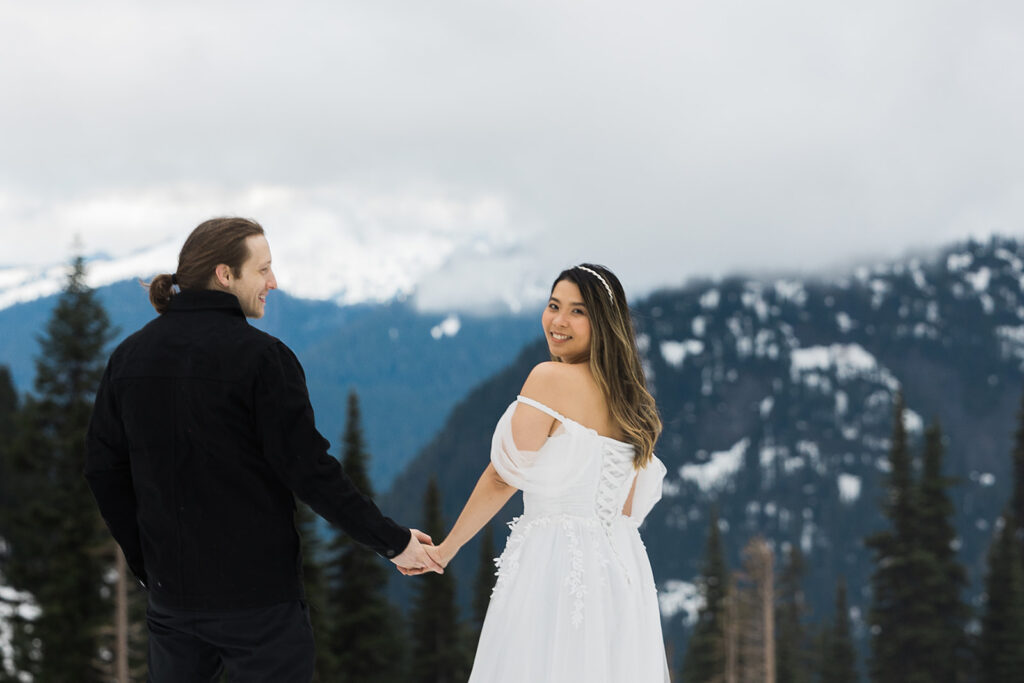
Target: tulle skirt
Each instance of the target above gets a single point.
(574, 601)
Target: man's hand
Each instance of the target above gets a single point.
(438, 553)
(415, 559)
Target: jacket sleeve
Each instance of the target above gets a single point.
(109, 473)
(298, 454)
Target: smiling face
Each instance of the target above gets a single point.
(566, 323)
(254, 279)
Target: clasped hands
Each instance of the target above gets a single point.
(421, 556)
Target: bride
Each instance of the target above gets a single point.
(574, 599)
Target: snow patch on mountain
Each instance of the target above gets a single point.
(718, 470)
(912, 422)
(979, 279)
(791, 290)
(958, 262)
(753, 298)
(449, 327)
(675, 352)
(710, 299)
(919, 278)
(844, 322)
(849, 487)
(1011, 341)
(680, 597)
(1012, 259)
(845, 361)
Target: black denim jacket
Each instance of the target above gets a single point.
(201, 433)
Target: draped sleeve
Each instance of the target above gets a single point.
(648, 489)
(556, 466)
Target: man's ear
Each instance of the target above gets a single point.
(222, 274)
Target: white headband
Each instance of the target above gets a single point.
(611, 297)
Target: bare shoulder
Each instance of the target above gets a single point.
(542, 382)
(554, 384)
(550, 375)
(546, 373)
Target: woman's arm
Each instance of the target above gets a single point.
(489, 495)
(530, 428)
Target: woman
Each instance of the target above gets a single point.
(575, 599)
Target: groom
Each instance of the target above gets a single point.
(201, 433)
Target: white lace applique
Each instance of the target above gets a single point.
(508, 562)
(574, 580)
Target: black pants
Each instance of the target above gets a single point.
(272, 644)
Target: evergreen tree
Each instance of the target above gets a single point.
(366, 637)
(439, 653)
(943, 584)
(1017, 503)
(314, 579)
(8, 415)
(705, 654)
(57, 537)
(484, 583)
(902, 609)
(9, 606)
(839, 660)
(820, 639)
(791, 646)
(1001, 643)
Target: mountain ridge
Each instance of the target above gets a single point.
(777, 402)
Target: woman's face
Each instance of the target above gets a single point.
(566, 323)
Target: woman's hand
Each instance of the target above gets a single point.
(440, 555)
(414, 559)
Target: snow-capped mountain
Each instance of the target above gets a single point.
(777, 396)
(326, 263)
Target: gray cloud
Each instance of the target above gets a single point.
(665, 139)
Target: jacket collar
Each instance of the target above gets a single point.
(205, 300)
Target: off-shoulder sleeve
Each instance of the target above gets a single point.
(648, 489)
(549, 470)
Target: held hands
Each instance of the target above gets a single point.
(415, 559)
(440, 555)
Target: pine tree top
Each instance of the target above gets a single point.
(354, 455)
(901, 504)
(433, 522)
(71, 359)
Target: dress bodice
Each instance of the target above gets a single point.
(577, 471)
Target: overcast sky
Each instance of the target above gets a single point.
(664, 139)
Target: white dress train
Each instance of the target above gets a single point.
(575, 598)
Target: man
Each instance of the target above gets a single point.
(201, 433)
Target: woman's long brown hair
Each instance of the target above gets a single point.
(614, 358)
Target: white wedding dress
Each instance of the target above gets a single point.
(575, 599)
